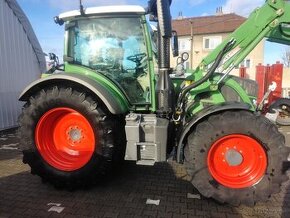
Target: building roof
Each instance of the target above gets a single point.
(104, 10)
(18, 12)
(225, 23)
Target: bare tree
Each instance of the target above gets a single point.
(286, 57)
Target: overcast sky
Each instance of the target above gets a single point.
(50, 35)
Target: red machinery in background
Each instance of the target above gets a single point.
(265, 75)
(274, 103)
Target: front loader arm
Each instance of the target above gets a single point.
(262, 22)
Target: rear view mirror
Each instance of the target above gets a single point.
(174, 41)
(184, 56)
(52, 56)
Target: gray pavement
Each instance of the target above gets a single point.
(125, 195)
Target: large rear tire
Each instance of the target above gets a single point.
(236, 157)
(68, 139)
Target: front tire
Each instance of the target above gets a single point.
(236, 157)
(67, 138)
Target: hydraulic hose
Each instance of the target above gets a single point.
(212, 69)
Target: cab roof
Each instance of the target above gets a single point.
(117, 9)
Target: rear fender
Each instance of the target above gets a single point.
(115, 104)
(202, 115)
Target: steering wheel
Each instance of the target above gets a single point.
(136, 58)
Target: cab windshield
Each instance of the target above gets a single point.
(116, 48)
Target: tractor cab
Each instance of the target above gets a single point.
(112, 41)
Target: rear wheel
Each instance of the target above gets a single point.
(68, 139)
(236, 157)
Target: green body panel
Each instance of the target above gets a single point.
(196, 102)
(113, 104)
(70, 68)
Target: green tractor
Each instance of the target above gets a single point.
(117, 98)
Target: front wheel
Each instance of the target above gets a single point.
(67, 138)
(236, 157)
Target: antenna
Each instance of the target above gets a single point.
(82, 8)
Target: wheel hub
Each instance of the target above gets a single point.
(233, 157)
(75, 134)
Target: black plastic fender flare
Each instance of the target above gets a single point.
(114, 105)
(203, 114)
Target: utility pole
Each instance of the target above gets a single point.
(191, 44)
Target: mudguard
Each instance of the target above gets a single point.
(203, 114)
(115, 105)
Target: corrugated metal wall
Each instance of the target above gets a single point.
(18, 65)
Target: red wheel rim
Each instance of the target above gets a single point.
(237, 161)
(65, 139)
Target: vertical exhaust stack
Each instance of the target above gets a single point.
(165, 32)
(164, 90)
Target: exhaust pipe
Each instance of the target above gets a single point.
(165, 32)
(164, 89)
